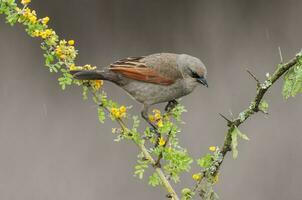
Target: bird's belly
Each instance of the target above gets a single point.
(149, 93)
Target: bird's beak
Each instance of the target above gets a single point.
(203, 81)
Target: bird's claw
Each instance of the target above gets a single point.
(171, 105)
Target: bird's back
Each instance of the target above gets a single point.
(160, 68)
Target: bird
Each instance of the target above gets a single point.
(152, 79)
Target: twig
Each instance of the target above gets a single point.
(160, 156)
(254, 77)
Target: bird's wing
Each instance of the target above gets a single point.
(146, 69)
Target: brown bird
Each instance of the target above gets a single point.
(153, 79)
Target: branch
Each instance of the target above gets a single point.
(251, 110)
(155, 164)
(160, 156)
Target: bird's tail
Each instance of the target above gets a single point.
(90, 74)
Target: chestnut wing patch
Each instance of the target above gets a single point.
(134, 69)
(143, 74)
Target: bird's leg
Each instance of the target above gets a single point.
(171, 105)
(144, 114)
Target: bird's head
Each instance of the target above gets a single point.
(193, 68)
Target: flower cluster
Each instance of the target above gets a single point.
(157, 118)
(59, 54)
(118, 113)
(30, 15)
(97, 84)
(65, 50)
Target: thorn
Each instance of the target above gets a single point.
(280, 54)
(228, 121)
(253, 76)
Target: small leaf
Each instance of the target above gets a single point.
(101, 115)
(205, 161)
(234, 143)
(293, 81)
(242, 135)
(234, 135)
(263, 106)
(154, 180)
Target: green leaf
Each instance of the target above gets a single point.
(263, 106)
(135, 123)
(205, 161)
(242, 136)
(293, 81)
(234, 143)
(101, 115)
(154, 180)
(207, 192)
(85, 93)
(187, 194)
(177, 112)
(234, 135)
(140, 168)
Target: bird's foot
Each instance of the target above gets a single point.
(171, 105)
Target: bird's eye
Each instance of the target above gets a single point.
(194, 74)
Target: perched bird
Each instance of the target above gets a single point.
(153, 79)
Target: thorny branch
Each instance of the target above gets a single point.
(262, 88)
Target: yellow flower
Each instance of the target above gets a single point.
(71, 42)
(36, 33)
(58, 50)
(72, 67)
(32, 19)
(45, 20)
(123, 109)
(160, 123)
(116, 113)
(26, 12)
(43, 35)
(25, 2)
(197, 177)
(212, 148)
(162, 141)
(62, 56)
(157, 116)
(97, 84)
(152, 118)
(89, 67)
(113, 110)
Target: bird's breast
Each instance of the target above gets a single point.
(149, 93)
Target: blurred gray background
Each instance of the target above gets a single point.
(52, 146)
